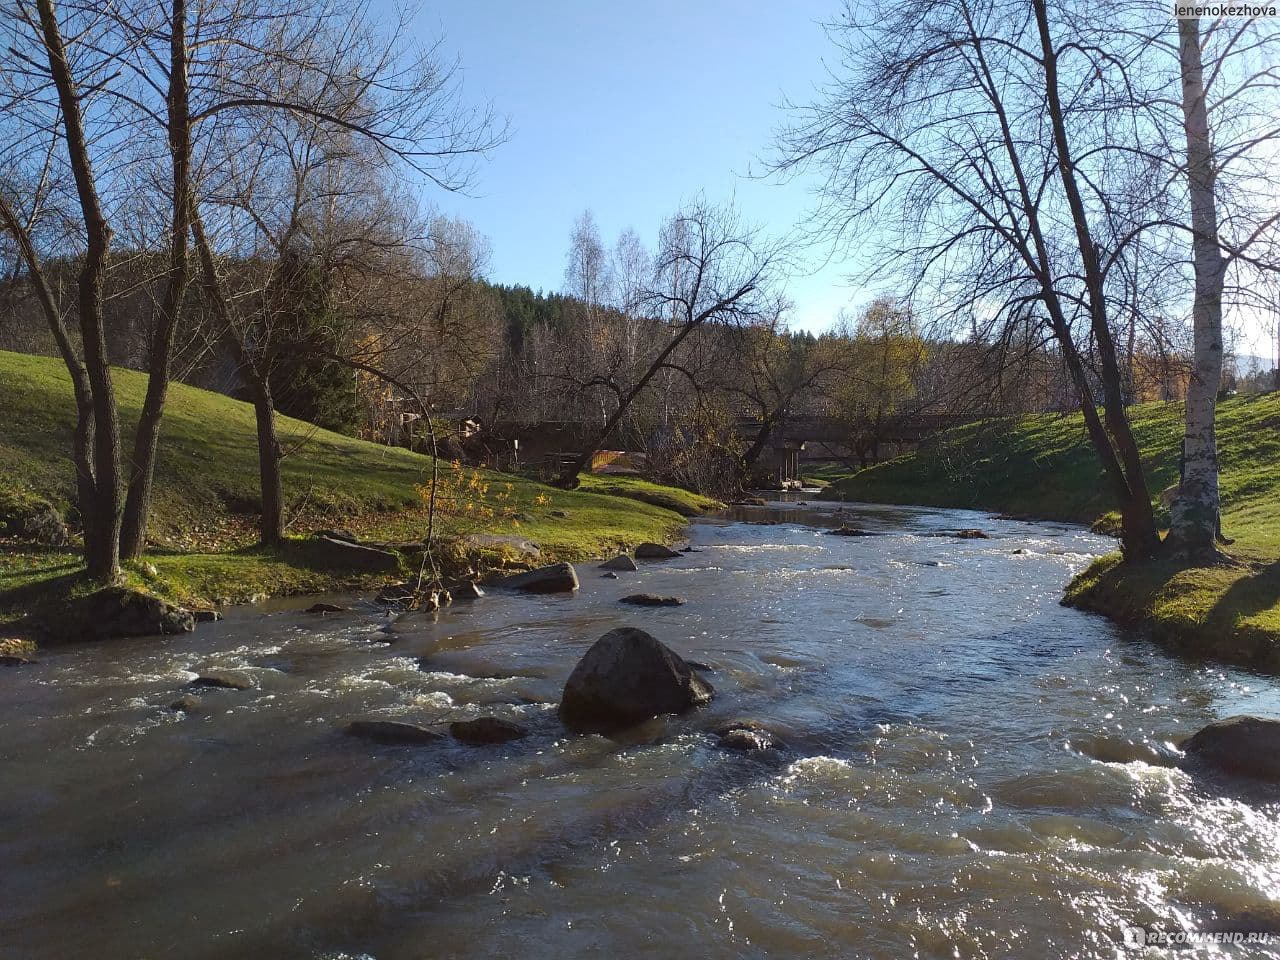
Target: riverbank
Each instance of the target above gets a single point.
(1043, 467)
(203, 525)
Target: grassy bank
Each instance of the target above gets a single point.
(203, 526)
(1043, 467)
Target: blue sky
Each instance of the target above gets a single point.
(627, 109)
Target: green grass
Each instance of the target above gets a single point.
(1043, 466)
(206, 498)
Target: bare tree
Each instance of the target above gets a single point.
(709, 269)
(944, 126)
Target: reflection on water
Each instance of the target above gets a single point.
(973, 771)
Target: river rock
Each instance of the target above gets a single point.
(609, 576)
(655, 551)
(356, 556)
(652, 600)
(620, 562)
(224, 680)
(971, 535)
(14, 660)
(746, 740)
(847, 531)
(467, 590)
(323, 607)
(628, 676)
(556, 578)
(486, 730)
(121, 612)
(395, 732)
(207, 615)
(1245, 746)
(188, 703)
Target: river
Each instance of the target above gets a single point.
(973, 771)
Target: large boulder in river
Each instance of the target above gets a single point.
(627, 677)
(655, 551)
(620, 562)
(556, 578)
(1244, 746)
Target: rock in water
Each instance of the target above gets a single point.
(467, 590)
(620, 562)
(655, 551)
(224, 679)
(610, 575)
(323, 607)
(392, 732)
(486, 730)
(972, 535)
(747, 736)
(628, 676)
(189, 703)
(847, 531)
(556, 578)
(652, 600)
(1244, 746)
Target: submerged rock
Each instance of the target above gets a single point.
(628, 676)
(971, 535)
(1243, 745)
(323, 607)
(655, 551)
(846, 531)
(609, 576)
(652, 600)
(620, 562)
(392, 732)
(556, 578)
(486, 730)
(188, 703)
(224, 679)
(747, 741)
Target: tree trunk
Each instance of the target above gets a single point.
(1195, 514)
(568, 479)
(271, 528)
(1139, 535)
(133, 535)
(271, 487)
(100, 504)
(761, 440)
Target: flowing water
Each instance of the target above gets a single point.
(972, 771)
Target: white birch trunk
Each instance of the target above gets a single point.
(1194, 515)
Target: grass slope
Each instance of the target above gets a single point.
(1043, 466)
(206, 494)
